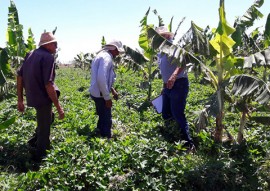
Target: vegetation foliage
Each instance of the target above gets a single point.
(143, 155)
(229, 91)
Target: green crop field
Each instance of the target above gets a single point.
(227, 111)
(143, 154)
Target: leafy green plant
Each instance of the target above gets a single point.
(83, 61)
(140, 156)
(7, 123)
(241, 25)
(12, 55)
(247, 89)
(149, 52)
(15, 43)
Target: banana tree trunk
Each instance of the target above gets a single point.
(219, 117)
(243, 120)
(149, 67)
(219, 128)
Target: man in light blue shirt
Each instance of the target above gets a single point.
(102, 80)
(175, 91)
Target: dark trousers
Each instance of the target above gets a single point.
(104, 117)
(174, 103)
(41, 137)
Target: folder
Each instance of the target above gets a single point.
(157, 104)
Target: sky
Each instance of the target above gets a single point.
(81, 24)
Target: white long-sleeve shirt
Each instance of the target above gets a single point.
(102, 75)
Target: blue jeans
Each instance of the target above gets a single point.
(174, 103)
(105, 117)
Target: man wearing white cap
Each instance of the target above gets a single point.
(175, 91)
(36, 76)
(102, 80)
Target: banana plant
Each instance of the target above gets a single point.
(12, 55)
(243, 23)
(15, 41)
(228, 62)
(16, 46)
(222, 43)
(261, 57)
(4, 66)
(83, 60)
(245, 90)
(252, 46)
(5, 71)
(143, 61)
(149, 52)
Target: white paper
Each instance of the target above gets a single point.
(157, 103)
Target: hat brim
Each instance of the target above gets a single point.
(40, 44)
(120, 50)
(167, 33)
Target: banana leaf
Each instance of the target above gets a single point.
(143, 40)
(175, 53)
(4, 65)
(31, 44)
(265, 120)
(2, 78)
(160, 20)
(267, 27)
(261, 58)
(13, 13)
(251, 14)
(250, 87)
(136, 56)
(247, 20)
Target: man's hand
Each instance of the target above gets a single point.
(20, 106)
(171, 81)
(108, 103)
(53, 96)
(115, 94)
(61, 113)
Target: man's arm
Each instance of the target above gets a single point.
(102, 74)
(53, 96)
(114, 93)
(20, 103)
(173, 77)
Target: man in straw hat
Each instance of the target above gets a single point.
(36, 76)
(175, 91)
(102, 80)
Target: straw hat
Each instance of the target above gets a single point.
(163, 30)
(117, 44)
(47, 38)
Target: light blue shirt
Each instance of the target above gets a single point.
(102, 75)
(167, 69)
